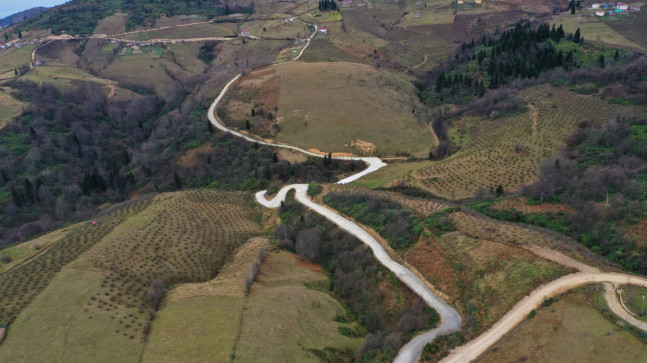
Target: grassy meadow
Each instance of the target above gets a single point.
(12, 58)
(328, 105)
(568, 330)
(202, 30)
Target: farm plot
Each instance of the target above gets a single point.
(421, 206)
(208, 313)
(23, 283)
(605, 32)
(507, 151)
(114, 24)
(59, 53)
(9, 107)
(202, 30)
(63, 76)
(470, 26)
(322, 49)
(180, 237)
(286, 281)
(143, 69)
(633, 27)
(13, 58)
(277, 28)
(567, 329)
(334, 107)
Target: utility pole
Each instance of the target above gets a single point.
(642, 309)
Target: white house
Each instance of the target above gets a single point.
(323, 30)
(595, 6)
(245, 33)
(622, 7)
(599, 13)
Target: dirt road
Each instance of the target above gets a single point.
(519, 312)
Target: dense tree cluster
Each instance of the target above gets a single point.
(399, 225)
(357, 279)
(74, 149)
(81, 17)
(519, 53)
(327, 5)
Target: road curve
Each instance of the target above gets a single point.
(619, 309)
(451, 320)
(519, 312)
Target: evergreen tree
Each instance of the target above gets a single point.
(577, 37)
(616, 56)
(601, 60)
(177, 181)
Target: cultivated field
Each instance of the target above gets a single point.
(113, 24)
(142, 69)
(9, 107)
(202, 30)
(328, 106)
(186, 56)
(568, 330)
(63, 76)
(13, 58)
(597, 30)
(208, 313)
(100, 300)
(277, 28)
(633, 27)
(267, 334)
(507, 151)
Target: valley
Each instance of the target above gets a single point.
(356, 181)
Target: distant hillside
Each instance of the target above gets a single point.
(82, 16)
(23, 15)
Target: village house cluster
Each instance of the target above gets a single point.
(16, 44)
(609, 9)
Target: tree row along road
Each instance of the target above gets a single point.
(451, 320)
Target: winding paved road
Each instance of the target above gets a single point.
(451, 320)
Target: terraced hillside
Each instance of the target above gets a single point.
(112, 276)
(508, 150)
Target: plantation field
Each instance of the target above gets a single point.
(202, 30)
(64, 76)
(271, 332)
(208, 312)
(13, 58)
(23, 283)
(322, 49)
(114, 24)
(485, 278)
(633, 27)
(27, 250)
(597, 30)
(421, 206)
(329, 105)
(179, 237)
(142, 69)
(9, 107)
(566, 331)
(507, 151)
(277, 29)
(186, 55)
